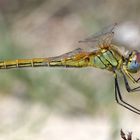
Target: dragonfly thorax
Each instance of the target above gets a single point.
(133, 61)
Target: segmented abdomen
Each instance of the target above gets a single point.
(60, 61)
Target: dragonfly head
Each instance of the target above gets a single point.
(133, 61)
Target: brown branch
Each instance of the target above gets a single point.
(124, 137)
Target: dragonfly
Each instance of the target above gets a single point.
(104, 55)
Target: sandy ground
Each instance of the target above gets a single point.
(33, 121)
(24, 121)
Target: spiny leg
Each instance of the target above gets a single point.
(125, 104)
(129, 89)
(118, 97)
(130, 76)
(136, 80)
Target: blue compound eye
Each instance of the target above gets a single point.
(133, 64)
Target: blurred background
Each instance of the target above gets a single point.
(63, 104)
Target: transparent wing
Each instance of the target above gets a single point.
(75, 58)
(77, 53)
(103, 37)
(73, 53)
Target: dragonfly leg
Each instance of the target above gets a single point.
(120, 100)
(129, 89)
(136, 80)
(130, 76)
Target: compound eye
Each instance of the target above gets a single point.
(138, 57)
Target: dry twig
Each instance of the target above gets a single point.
(124, 137)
